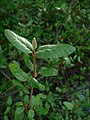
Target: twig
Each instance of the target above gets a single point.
(5, 75)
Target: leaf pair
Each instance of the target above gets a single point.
(45, 51)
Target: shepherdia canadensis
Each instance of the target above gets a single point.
(47, 52)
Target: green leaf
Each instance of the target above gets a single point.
(79, 112)
(6, 117)
(41, 111)
(69, 105)
(30, 114)
(9, 100)
(79, 118)
(36, 101)
(19, 110)
(26, 99)
(44, 51)
(43, 96)
(67, 62)
(28, 62)
(7, 110)
(81, 97)
(19, 42)
(19, 104)
(47, 105)
(44, 71)
(18, 72)
(59, 89)
(54, 51)
(19, 113)
(86, 103)
(62, 50)
(35, 84)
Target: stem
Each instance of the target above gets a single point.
(34, 65)
(34, 74)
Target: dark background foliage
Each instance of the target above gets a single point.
(66, 21)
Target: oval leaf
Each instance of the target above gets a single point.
(19, 42)
(30, 114)
(41, 111)
(19, 110)
(35, 84)
(69, 105)
(9, 100)
(19, 113)
(26, 99)
(19, 104)
(48, 71)
(28, 62)
(55, 51)
(7, 110)
(18, 72)
(6, 117)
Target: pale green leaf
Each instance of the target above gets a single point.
(6, 117)
(36, 100)
(19, 42)
(28, 62)
(30, 114)
(43, 96)
(41, 111)
(54, 51)
(59, 89)
(79, 112)
(67, 62)
(19, 110)
(44, 71)
(35, 84)
(9, 100)
(18, 72)
(26, 99)
(19, 113)
(7, 110)
(69, 105)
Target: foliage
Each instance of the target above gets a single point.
(51, 22)
(26, 47)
